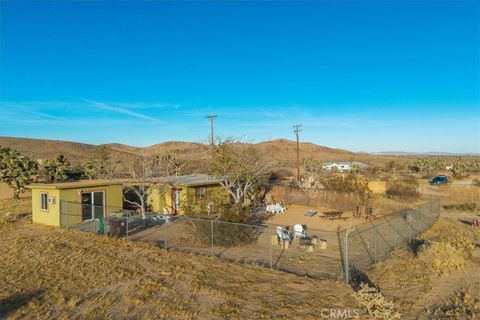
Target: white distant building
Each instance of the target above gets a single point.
(344, 166)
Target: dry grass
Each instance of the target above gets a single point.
(458, 235)
(414, 280)
(441, 257)
(462, 305)
(12, 210)
(460, 194)
(377, 186)
(52, 273)
(402, 278)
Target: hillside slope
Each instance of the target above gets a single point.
(53, 273)
(191, 153)
(41, 148)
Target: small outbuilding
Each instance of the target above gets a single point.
(83, 200)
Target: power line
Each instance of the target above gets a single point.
(212, 137)
(296, 130)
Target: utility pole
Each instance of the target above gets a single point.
(296, 130)
(212, 137)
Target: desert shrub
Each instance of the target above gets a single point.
(351, 183)
(229, 223)
(402, 190)
(377, 305)
(461, 306)
(467, 206)
(225, 234)
(455, 234)
(441, 257)
(410, 180)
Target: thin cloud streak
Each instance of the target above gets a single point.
(45, 115)
(120, 110)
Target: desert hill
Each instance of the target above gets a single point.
(43, 149)
(192, 153)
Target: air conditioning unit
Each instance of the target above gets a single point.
(51, 200)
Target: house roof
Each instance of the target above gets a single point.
(186, 181)
(190, 180)
(75, 184)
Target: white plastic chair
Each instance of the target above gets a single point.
(283, 234)
(299, 232)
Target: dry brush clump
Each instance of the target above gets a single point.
(400, 190)
(463, 238)
(405, 287)
(376, 303)
(467, 206)
(462, 305)
(408, 276)
(441, 257)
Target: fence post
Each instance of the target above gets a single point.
(409, 219)
(126, 225)
(211, 230)
(270, 246)
(347, 271)
(66, 210)
(395, 240)
(431, 206)
(165, 233)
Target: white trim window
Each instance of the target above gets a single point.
(44, 201)
(93, 205)
(201, 193)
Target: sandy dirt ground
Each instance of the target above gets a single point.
(296, 215)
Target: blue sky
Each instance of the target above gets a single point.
(364, 76)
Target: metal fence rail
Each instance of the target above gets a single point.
(324, 254)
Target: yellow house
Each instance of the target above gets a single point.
(171, 193)
(68, 203)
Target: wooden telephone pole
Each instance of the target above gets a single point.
(296, 130)
(212, 137)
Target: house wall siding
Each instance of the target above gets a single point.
(51, 217)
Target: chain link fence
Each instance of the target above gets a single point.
(373, 241)
(323, 254)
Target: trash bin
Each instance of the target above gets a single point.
(101, 226)
(118, 226)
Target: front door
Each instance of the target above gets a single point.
(175, 201)
(93, 205)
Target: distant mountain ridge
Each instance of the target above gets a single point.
(193, 153)
(431, 153)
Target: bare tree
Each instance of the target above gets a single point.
(141, 171)
(313, 169)
(240, 168)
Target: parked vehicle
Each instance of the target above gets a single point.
(439, 180)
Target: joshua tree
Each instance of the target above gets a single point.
(16, 170)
